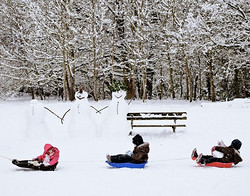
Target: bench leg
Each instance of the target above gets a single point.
(130, 133)
(173, 129)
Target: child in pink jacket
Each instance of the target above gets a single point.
(46, 162)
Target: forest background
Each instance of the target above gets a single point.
(159, 49)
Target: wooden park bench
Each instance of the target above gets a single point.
(168, 119)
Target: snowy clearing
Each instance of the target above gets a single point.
(82, 169)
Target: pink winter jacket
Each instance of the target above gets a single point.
(52, 152)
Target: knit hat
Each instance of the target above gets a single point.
(137, 140)
(236, 144)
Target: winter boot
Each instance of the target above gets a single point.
(194, 154)
(14, 161)
(199, 158)
(108, 158)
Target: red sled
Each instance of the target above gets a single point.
(217, 164)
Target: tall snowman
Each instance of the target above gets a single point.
(115, 123)
(80, 121)
(36, 127)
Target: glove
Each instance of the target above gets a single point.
(46, 160)
(221, 143)
(212, 150)
(129, 153)
(36, 163)
(45, 163)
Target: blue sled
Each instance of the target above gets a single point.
(128, 165)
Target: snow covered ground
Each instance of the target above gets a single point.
(82, 170)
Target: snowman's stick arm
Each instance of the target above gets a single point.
(56, 114)
(103, 108)
(64, 115)
(97, 111)
(131, 100)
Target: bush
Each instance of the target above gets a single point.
(117, 86)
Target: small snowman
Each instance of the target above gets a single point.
(81, 106)
(118, 106)
(36, 127)
(116, 115)
(80, 121)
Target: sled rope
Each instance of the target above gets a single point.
(81, 161)
(177, 159)
(74, 161)
(166, 160)
(6, 157)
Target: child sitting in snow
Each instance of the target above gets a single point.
(139, 154)
(46, 162)
(220, 153)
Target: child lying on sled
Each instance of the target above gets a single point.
(46, 162)
(230, 154)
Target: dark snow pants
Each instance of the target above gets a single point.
(28, 164)
(209, 159)
(121, 158)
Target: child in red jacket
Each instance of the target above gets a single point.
(46, 162)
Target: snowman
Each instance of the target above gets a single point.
(80, 121)
(116, 116)
(36, 127)
(118, 106)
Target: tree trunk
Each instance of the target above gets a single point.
(62, 37)
(40, 93)
(143, 64)
(243, 83)
(131, 85)
(189, 83)
(144, 75)
(32, 93)
(211, 76)
(161, 83)
(144, 81)
(195, 87)
(181, 84)
(150, 76)
(65, 75)
(200, 82)
(71, 71)
(236, 83)
(170, 72)
(94, 51)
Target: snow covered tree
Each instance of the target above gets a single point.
(179, 49)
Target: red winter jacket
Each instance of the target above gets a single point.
(51, 152)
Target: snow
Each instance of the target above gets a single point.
(82, 169)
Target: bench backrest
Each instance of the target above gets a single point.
(157, 116)
(156, 113)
